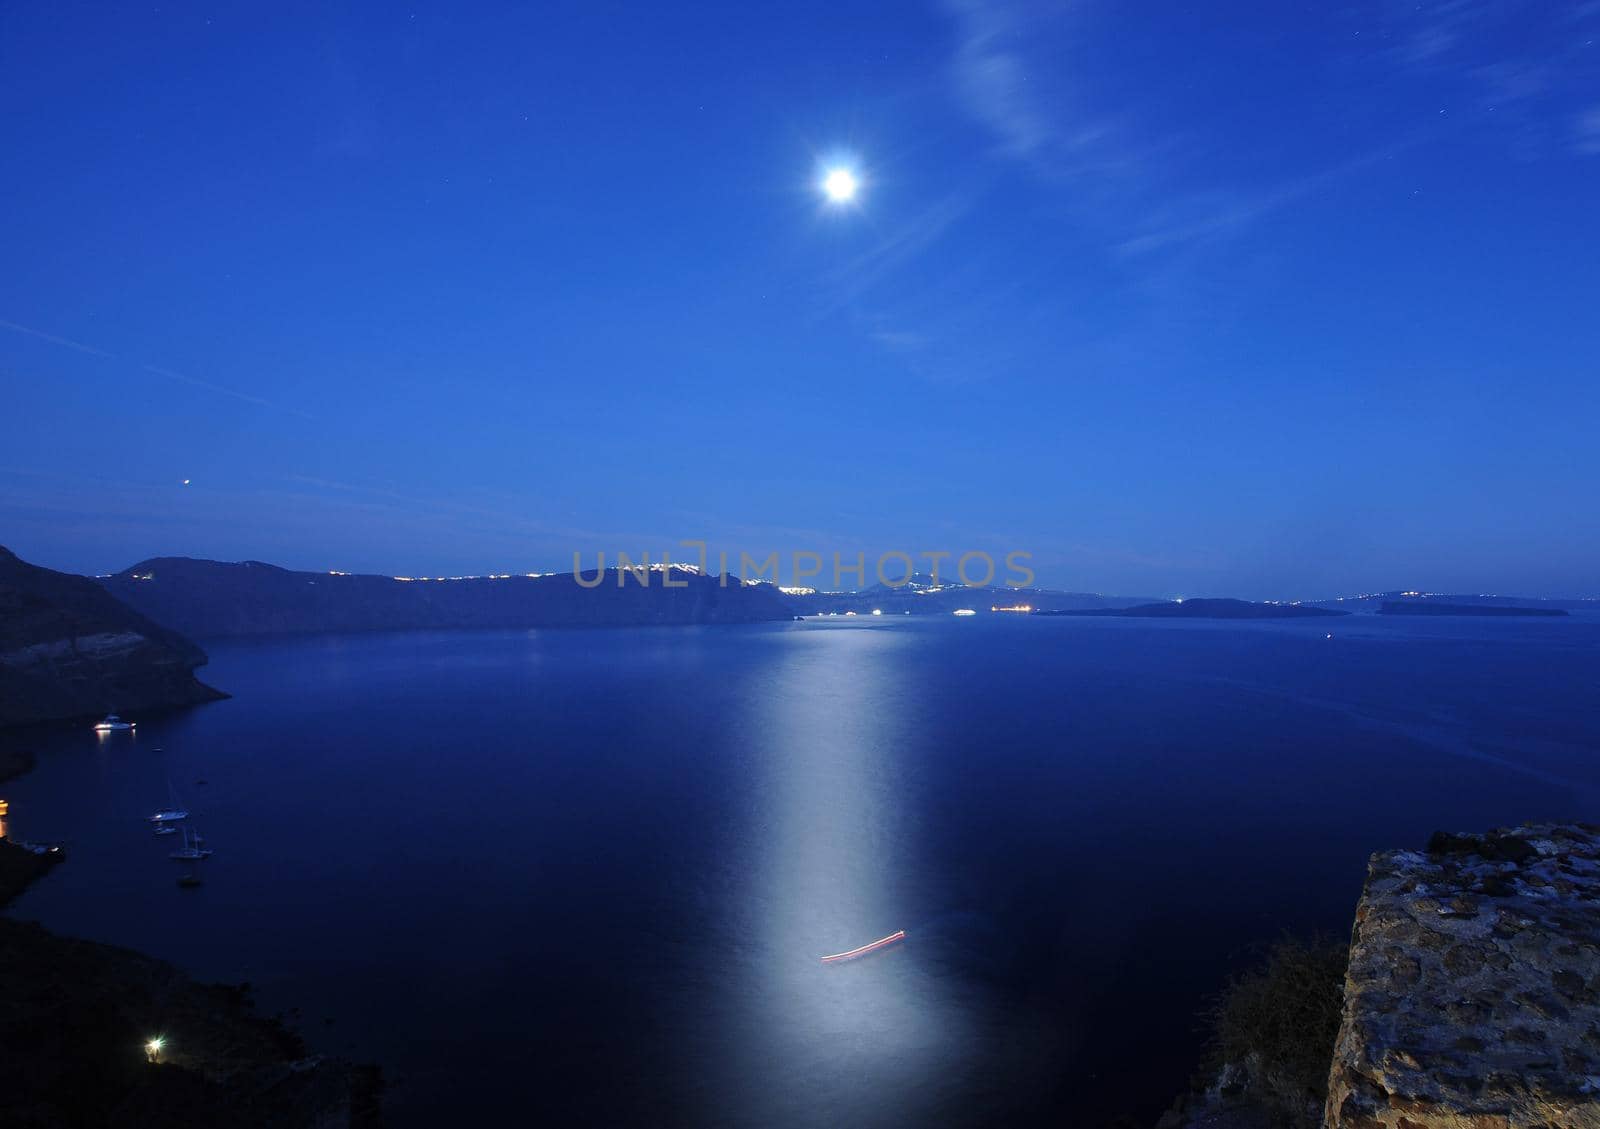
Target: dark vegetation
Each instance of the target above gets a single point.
(1273, 1030)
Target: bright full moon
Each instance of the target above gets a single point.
(840, 185)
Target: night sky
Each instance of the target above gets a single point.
(1265, 300)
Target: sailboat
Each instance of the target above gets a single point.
(171, 814)
(193, 850)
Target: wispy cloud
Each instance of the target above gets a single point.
(1152, 196)
(54, 340)
(1430, 32)
(155, 370)
(992, 76)
(1586, 132)
(898, 340)
(1006, 74)
(508, 521)
(1220, 219)
(242, 396)
(999, 81)
(851, 279)
(1514, 61)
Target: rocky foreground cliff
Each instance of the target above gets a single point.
(68, 649)
(1469, 998)
(1472, 998)
(213, 599)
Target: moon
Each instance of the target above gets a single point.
(840, 185)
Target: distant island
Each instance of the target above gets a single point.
(1207, 609)
(1430, 607)
(1373, 602)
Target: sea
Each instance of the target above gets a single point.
(587, 876)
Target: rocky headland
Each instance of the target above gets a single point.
(70, 649)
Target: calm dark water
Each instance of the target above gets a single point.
(588, 874)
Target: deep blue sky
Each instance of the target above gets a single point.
(1261, 300)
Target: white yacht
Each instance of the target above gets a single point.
(113, 724)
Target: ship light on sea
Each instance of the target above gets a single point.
(964, 611)
(1022, 608)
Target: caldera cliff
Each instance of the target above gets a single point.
(214, 599)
